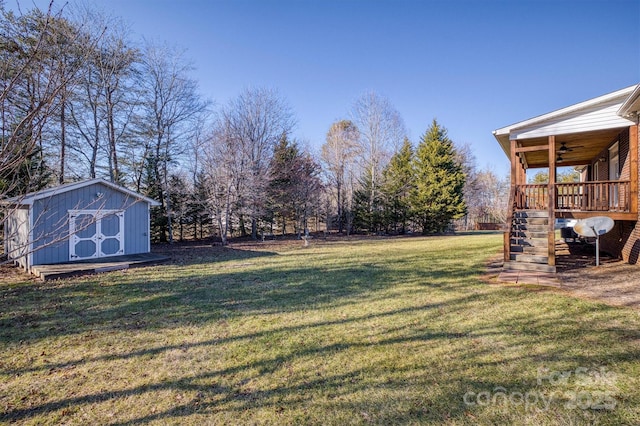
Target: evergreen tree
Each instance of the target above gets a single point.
(197, 205)
(29, 175)
(153, 189)
(398, 178)
(278, 193)
(438, 196)
(368, 205)
(294, 186)
(179, 196)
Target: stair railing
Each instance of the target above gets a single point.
(513, 195)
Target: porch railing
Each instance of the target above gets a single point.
(604, 196)
(535, 197)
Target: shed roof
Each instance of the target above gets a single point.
(30, 198)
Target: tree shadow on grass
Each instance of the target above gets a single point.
(428, 390)
(432, 395)
(223, 284)
(188, 254)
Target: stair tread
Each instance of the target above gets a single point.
(530, 250)
(530, 235)
(529, 241)
(523, 266)
(530, 258)
(531, 214)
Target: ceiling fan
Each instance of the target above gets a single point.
(563, 148)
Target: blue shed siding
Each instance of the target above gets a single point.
(51, 224)
(136, 228)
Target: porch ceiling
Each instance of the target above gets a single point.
(582, 148)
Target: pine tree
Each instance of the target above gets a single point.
(153, 189)
(197, 205)
(179, 195)
(398, 178)
(294, 186)
(438, 196)
(279, 206)
(368, 206)
(29, 175)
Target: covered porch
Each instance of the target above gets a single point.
(590, 137)
(610, 192)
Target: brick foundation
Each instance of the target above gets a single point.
(624, 239)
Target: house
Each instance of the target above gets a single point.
(82, 220)
(600, 138)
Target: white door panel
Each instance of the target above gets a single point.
(95, 233)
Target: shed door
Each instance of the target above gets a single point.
(95, 233)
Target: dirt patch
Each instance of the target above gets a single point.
(616, 283)
(10, 274)
(613, 282)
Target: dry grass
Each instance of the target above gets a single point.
(341, 332)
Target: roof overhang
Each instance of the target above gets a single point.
(630, 109)
(29, 199)
(584, 127)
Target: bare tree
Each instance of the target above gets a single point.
(115, 65)
(472, 188)
(254, 122)
(485, 194)
(171, 106)
(34, 78)
(382, 131)
(71, 46)
(105, 100)
(41, 56)
(338, 155)
(223, 170)
(495, 192)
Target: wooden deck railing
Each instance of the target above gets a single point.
(600, 196)
(535, 197)
(605, 196)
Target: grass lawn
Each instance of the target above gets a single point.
(378, 331)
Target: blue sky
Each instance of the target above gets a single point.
(474, 65)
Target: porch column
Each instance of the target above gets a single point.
(551, 190)
(513, 158)
(514, 165)
(522, 173)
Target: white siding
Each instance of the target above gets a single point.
(598, 117)
(17, 236)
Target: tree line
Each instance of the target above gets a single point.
(80, 99)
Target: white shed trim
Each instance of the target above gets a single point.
(30, 239)
(29, 199)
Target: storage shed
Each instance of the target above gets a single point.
(77, 221)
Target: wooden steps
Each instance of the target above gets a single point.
(521, 266)
(529, 242)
